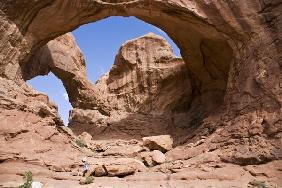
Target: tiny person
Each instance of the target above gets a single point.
(85, 166)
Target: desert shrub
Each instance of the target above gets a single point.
(80, 143)
(28, 180)
(89, 180)
(258, 184)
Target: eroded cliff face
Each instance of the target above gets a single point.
(143, 68)
(63, 57)
(33, 137)
(232, 50)
(148, 91)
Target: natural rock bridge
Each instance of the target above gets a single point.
(231, 54)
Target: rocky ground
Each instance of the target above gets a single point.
(133, 163)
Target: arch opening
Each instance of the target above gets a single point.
(53, 87)
(203, 47)
(89, 40)
(87, 99)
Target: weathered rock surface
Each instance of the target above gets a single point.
(158, 157)
(162, 142)
(100, 171)
(153, 158)
(147, 159)
(120, 171)
(145, 76)
(85, 138)
(233, 53)
(148, 91)
(63, 57)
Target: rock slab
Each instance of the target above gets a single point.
(162, 143)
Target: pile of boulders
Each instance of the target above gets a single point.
(157, 146)
(121, 158)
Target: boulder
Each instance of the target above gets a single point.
(153, 158)
(162, 143)
(97, 171)
(157, 157)
(120, 170)
(147, 159)
(123, 166)
(100, 171)
(113, 166)
(86, 138)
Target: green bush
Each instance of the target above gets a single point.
(80, 143)
(28, 180)
(89, 180)
(258, 184)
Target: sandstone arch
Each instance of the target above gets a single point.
(196, 27)
(210, 85)
(64, 59)
(197, 39)
(245, 35)
(204, 49)
(207, 25)
(145, 74)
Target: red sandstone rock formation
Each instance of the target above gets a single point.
(232, 50)
(148, 90)
(63, 57)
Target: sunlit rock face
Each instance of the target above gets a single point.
(232, 50)
(145, 76)
(63, 57)
(148, 90)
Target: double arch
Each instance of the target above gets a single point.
(204, 49)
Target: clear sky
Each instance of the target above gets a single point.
(99, 43)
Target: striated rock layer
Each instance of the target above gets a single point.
(63, 57)
(148, 91)
(232, 50)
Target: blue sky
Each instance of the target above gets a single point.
(99, 43)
